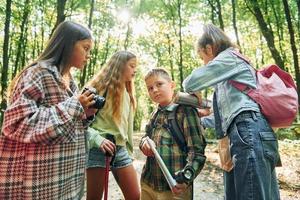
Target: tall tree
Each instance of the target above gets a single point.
(267, 32)
(60, 11)
(175, 11)
(217, 9)
(92, 3)
(21, 40)
(170, 50)
(279, 22)
(5, 58)
(179, 8)
(293, 43)
(298, 7)
(127, 37)
(233, 3)
(83, 75)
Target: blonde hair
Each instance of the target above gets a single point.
(157, 72)
(109, 79)
(215, 37)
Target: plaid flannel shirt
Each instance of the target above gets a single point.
(43, 146)
(169, 150)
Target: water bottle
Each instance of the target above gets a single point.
(191, 100)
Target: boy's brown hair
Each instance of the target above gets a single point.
(158, 72)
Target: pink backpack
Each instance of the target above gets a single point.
(276, 94)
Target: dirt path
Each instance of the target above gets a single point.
(209, 184)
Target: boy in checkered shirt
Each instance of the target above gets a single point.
(190, 162)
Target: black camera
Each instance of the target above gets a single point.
(99, 100)
(185, 176)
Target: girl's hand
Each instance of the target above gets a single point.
(179, 188)
(146, 148)
(198, 95)
(108, 147)
(204, 112)
(87, 100)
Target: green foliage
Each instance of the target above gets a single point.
(292, 133)
(210, 133)
(157, 42)
(138, 118)
(141, 106)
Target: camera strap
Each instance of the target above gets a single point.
(105, 93)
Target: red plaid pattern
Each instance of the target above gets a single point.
(42, 146)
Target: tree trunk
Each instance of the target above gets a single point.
(216, 10)
(261, 47)
(213, 11)
(266, 31)
(91, 13)
(107, 45)
(220, 17)
(178, 33)
(21, 40)
(24, 58)
(180, 64)
(93, 60)
(298, 7)
(279, 23)
(34, 49)
(84, 71)
(60, 9)
(233, 3)
(170, 50)
(5, 58)
(293, 44)
(128, 33)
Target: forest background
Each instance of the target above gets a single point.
(162, 33)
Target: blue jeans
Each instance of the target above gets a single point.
(254, 152)
(97, 158)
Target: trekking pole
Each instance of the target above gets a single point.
(108, 160)
(107, 164)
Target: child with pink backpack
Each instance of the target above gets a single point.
(240, 116)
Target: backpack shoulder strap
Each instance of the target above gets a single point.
(175, 130)
(241, 86)
(151, 124)
(172, 127)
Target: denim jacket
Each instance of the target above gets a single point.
(230, 101)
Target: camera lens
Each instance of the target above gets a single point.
(185, 176)
(99, 102)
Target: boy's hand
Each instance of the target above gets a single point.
(179, 188)
(145, 147)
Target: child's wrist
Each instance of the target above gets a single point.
(142, 143)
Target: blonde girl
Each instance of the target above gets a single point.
(114, 121)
